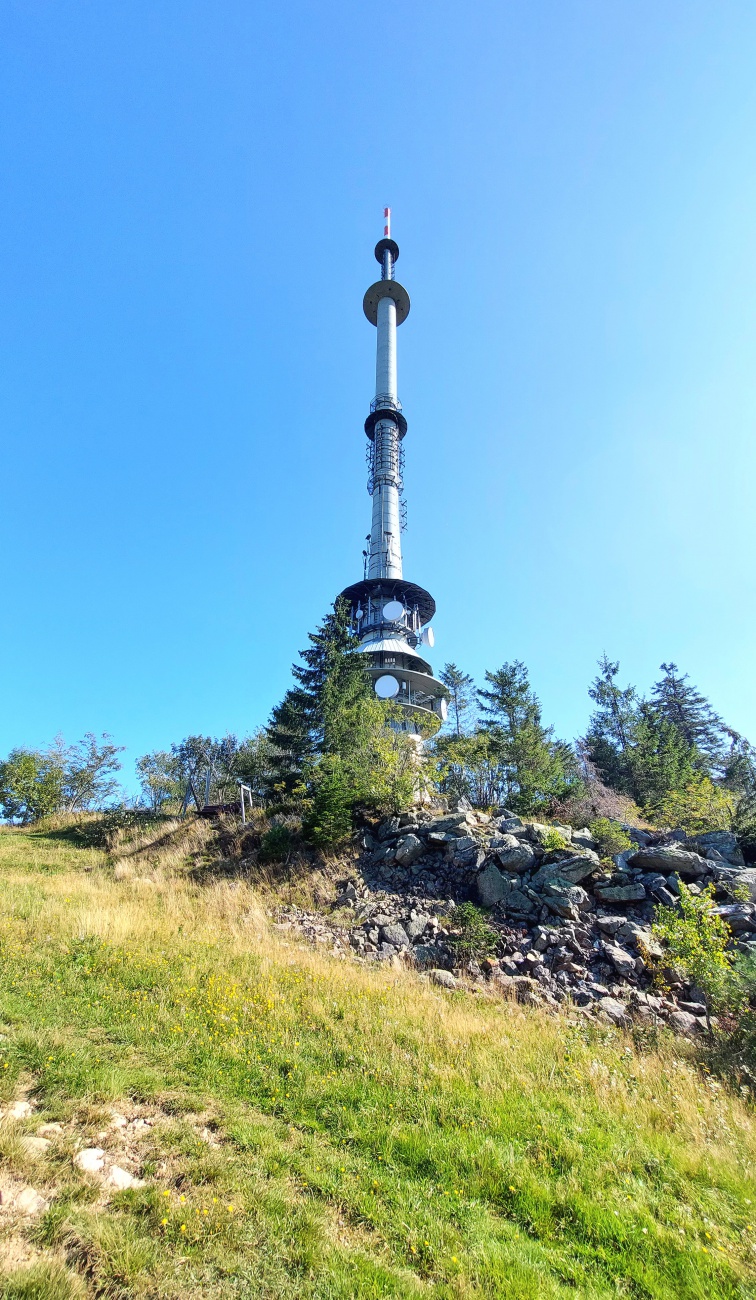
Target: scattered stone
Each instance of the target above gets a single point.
(50, 1130)
(723, 842)
(28, 1201)
(90, 1160)
(444, 978)
(622, 961)
(35, 1146)
(620, 893)
(409, 850)
(121, 1179)
(615, 1010)
(396, 935)
(684, 1023)
(513, 854)
(18, 1110)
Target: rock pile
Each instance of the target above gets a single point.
(569, 923)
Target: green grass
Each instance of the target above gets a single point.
(373, 1136)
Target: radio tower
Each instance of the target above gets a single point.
(391, 615)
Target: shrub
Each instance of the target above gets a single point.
(276, 844)
(697, 942)
(475, 938)
(698, 807)
(553, 839)
(609, 836)
(99, 832)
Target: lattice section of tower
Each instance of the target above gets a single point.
(385, 461)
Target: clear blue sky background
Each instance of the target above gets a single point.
(191, 194)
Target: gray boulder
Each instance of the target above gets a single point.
(417, 927)
(444, 978)
(723, 842)
(583, 839)
(396, 935)
(508, 824)
(452, 822)
(740, 880)
(668, 859)
(427, 955)
(615, 1011)
(610, 924)
(409, 850)
(572, 869)
(491, 886)
(620, 893)
(465, 852)
(622, 961)
(513, 854)
(565, 899)
(517, 903)
(684, 1023)
(739, 916)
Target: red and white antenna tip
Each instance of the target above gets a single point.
(387, 223)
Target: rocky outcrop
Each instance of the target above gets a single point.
(568, 923)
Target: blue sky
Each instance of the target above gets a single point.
(191, 195)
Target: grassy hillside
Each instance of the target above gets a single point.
(312, 1128)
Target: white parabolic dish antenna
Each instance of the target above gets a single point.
(386, 687)
(428, 637)
(393, 611)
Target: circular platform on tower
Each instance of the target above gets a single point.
(386, 589)
(386, 289)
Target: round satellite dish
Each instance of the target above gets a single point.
(359, 613)
(428, 637)
(393, 611)
(386, 687)
(444, 710)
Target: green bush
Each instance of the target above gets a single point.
(98, 832)
(699, 806)
(276, 844)
(609, 837)
(553, 839)
(474, 937)
(697, 943)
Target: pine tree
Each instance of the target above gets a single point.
(688, 710)
(536, 768)
(461, 688)
(611, 730)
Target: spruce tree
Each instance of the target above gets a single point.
(688, 710)
(611, 730)
(461, 688)
(317, 715)
(662, 760)
(536, 768)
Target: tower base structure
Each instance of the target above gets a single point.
(390, 616)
